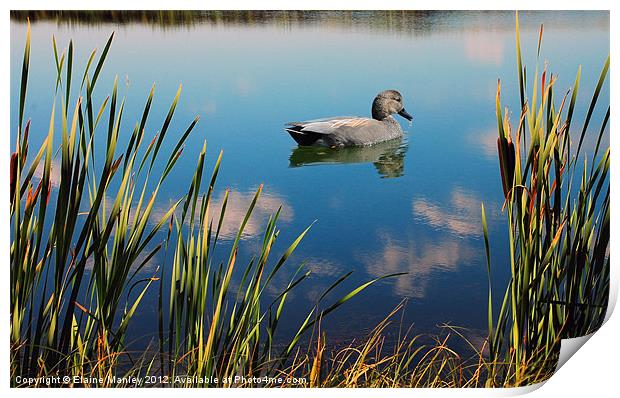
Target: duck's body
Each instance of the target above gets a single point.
(344, 131)
(352, 130)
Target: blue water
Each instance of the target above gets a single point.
(410, 206)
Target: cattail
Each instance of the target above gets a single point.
(315, 372)
(13, 173)
(506, 151)
(505, 147)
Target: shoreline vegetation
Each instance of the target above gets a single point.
(407, 22)
(557, 206)
(68, 320)
(393, 21)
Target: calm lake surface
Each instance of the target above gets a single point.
(411, 206)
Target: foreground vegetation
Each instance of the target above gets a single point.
(80, 246)
(558, 230)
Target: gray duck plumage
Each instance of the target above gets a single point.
(353, 130)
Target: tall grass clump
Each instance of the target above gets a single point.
(557, 207)
(377, 362)
(83, 231)
(217, 332)
(79, 239)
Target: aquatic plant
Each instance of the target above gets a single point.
(558, 230)
(214, 332)
(80, 239)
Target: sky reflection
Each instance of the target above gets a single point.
(409, 206)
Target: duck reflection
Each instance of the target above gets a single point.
(388, 157)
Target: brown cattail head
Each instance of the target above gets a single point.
(506, 151)
(13, 174)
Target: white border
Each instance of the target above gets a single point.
(592, 372)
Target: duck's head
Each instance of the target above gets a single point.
(387, 103)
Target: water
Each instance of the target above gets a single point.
(406, 206)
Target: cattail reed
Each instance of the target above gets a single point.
(558, 220)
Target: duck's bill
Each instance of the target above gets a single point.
(406, 115)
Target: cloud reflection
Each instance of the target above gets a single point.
(54, 172)
(483, 47)
(236, 209)
(461, 217)
(484, 142)
(421, 260)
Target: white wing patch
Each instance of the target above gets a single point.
(349, 122)
(329, 126)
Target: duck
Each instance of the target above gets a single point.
(348, 131)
